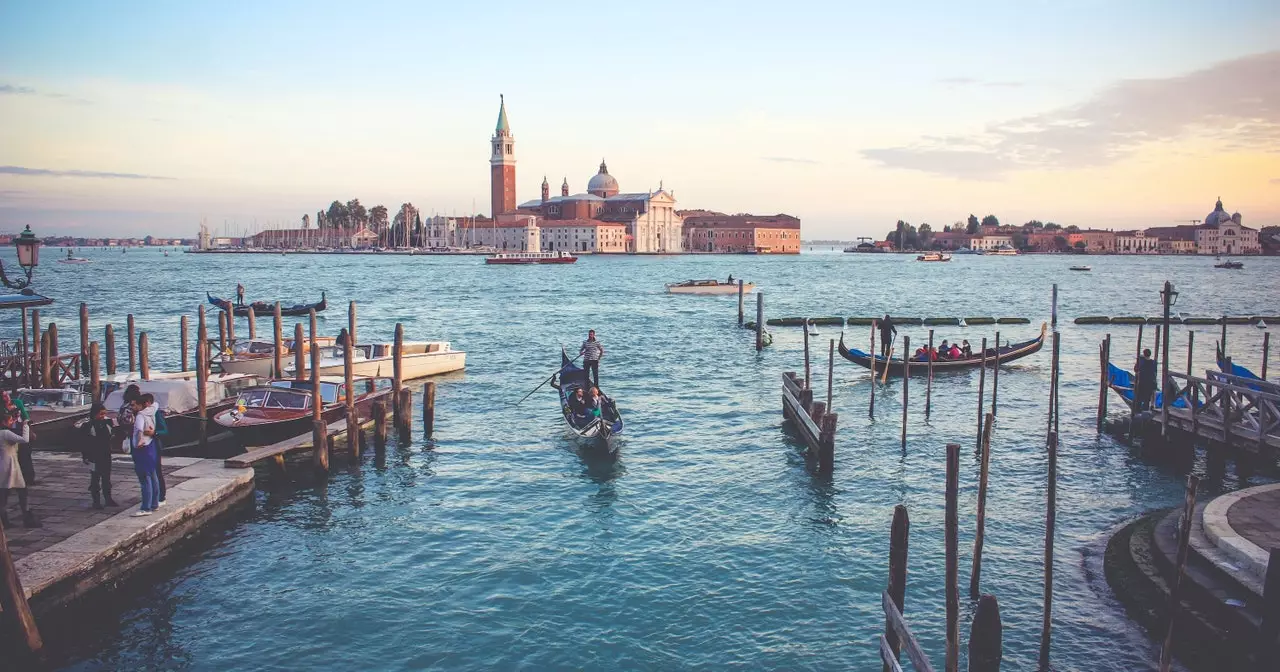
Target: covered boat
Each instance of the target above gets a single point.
(54, 413)
(1008, 353)
(261, 308)
(268, 414)
(419, 359)
(934, 256)
(521, 258)
(600, 431)
(178, 397)
(707, 287)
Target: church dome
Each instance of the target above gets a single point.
(1219, 215)
(603, 184)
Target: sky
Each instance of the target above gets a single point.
(145, 117)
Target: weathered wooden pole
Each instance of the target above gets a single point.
(429, 409)
(1167, 297)
(14, 601)
(1191, 344)
(805, 326)
(84, 339)
(1175, 592)
(951, 535)
(202, 337)
(95, 373)
(1224, 335)
(299, 353)
(1054, 311)
(759, 321)
(222, 331)
(831, 368)
(995, 377)
(1050, 523)
(397, 375)
(982, 380)
(406, 415)
(46, 373)
(351, 323)
(871, 409)
(231, 322)
(202, 379)
(899, 534)
(741, 293)
(26, 351)
(110, 342)
(182, 327)
(1156, 356)
(1104, 380)
(319, 432)
(131, 328)
(1266, 352)
(379, 425)
(253, 324)
(928, 387)
(144, 360)
(985, 637)
(1138, 351)
(348, 376)
(906, 380)
(277, 327)
(979, 535)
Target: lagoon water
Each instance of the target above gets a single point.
(708, 543)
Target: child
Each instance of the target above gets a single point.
(97, 454)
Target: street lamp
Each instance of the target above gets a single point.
(28, 258)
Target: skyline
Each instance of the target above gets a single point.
(146, 118)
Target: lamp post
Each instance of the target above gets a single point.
(28, 258)
(1168, 297)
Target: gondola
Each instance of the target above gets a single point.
(1008, 353)
(600, 431)
(261, 308)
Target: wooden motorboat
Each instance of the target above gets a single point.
(178, 397)
(1235, 265)
(268, 414)
(598, 431)
(707, 287)
(1008, 353)
(54, 414)
(934, 256)
(254, 357)
(261, 308)
(1081, 268)
(520, 258)
(419, 359)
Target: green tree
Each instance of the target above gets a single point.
(990, 220)
(924, 236)
(972, 226)
(378, 218)
(1033, 225)
(1073, 229)
(337, 215)
(1059, 243)
(1080, 245)
(1052, 227)
(357, 214)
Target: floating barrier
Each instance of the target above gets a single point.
(1237, 320)
(1160, 320)
(1200, 320)
(908, 321)
(1013, 320)
(980, 320)
(861, 321)
(942, 321)
(826, 321)
(1093, 319)
(785, 321)
(1128, 320)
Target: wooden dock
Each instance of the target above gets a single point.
(810, 418)
(1220, 407)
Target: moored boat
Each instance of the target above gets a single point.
(1236, 265)
(531, 258)
(896, 365)
(53, 412)
(934, 256)
(261, 308)
(600, 431)
(419, 359)
(1081, 268)
(1003, 251)
(268, 414)
(707, 287)
(178, 397)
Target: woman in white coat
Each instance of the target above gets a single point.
(11, 435)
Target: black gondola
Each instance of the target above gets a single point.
(261, 308)
(601, 431)
(919, 368)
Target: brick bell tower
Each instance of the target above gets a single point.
(502, 165)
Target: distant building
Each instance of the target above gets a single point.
(758, 234)
(1095, 240)
(951, 240)
(1219, 234)
(992, 241)
(1136, 242)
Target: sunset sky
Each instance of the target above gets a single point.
(134, 118)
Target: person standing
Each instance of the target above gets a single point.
(96, 452)
(887, 333)
(591, 352)
(1146, 385)
(17, 409)
(239, 294)
(14, 433)
(143, 451)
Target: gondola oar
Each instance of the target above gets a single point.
(887, 359)
(539, 387)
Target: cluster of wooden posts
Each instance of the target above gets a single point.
(759, 323)
(985, 639)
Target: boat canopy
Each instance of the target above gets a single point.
(172, 395)
(59, 398)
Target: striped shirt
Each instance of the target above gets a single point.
(591, 351)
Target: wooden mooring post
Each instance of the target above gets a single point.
(906, 382)
(182, 327)
(319, 430)
(95, 373)
(928, 386)
(759, 321)
(812, 422)
(1191, 346)
(1104, 379)
(871, 409)
(133, 353)
(253, 324)
(379, 411)
(84, 339)
(231, 321)
(222, 331)
(1175, 591)
(741, 292)
(899, 535)
(348, 377)
(807, 379)
(1266, 352)
(351, 323)
(429, 409)
(1050, 523)
(14, 602)
(982, 380)
(397, 376)
(985, 637)
(53, 340)
(979, 534)
(299, 353)
(110, 341)
(277, 334)
(995, 377)
(1167, 297)
(202, 338)
(831, 367)
(951, 534)
(1224, 336)
(46, 373)
(1137, 354)
(144, 356)
(202, 380)
(404, 431)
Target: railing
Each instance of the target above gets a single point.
(1224, 406)
(17, 371)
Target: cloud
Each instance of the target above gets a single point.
(788, 159)
(1235, 103)
(45, 172)
(11, 90)
(971, 81)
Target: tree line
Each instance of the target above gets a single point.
(404, 229)
(907, 236)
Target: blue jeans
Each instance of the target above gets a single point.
(150, 482)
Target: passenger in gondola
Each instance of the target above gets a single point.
(944, 350)
(578, 405)
(965, 349)
(955, 352)
(921, 355)
(595, 402)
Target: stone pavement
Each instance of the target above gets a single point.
(61, 500)
(1257, 518)
(1245, 526)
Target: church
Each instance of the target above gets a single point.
(603, 219)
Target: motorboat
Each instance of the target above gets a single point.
(1235, 265)
(1081, 268)
(1003, 251)
(54, 413)
(418, 359)
(256, 356)
(934, 256)
(520, 258)
(69, 259)
(707, 287)
(178, 397)
(267, 414)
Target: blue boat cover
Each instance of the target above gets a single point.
(1122, 382)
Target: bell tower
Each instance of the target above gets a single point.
(564, 187)
(546, 190)
(502, 165)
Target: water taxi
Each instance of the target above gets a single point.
(531, 258)
(934, 256)
(419, 359)
(707, 287)
(1003, 251)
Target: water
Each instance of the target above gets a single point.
(708, 543)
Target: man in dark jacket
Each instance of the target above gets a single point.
(1146, 384)
(887, 332)
(96, 452)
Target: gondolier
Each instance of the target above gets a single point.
(239, 294)
(887, 332)
(591, 352)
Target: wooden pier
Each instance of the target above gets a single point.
(1220, 407)
(811, 419)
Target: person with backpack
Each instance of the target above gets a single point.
(143, 449)
(96, 452)
(159, 437)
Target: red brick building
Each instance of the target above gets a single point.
(707, 231)
(502, 166)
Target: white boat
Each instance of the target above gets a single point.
(934, 256)
(73, 260)
(1003, 251)
(1081, 268)
(707, 287)
(419, 359)
(966, 250)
